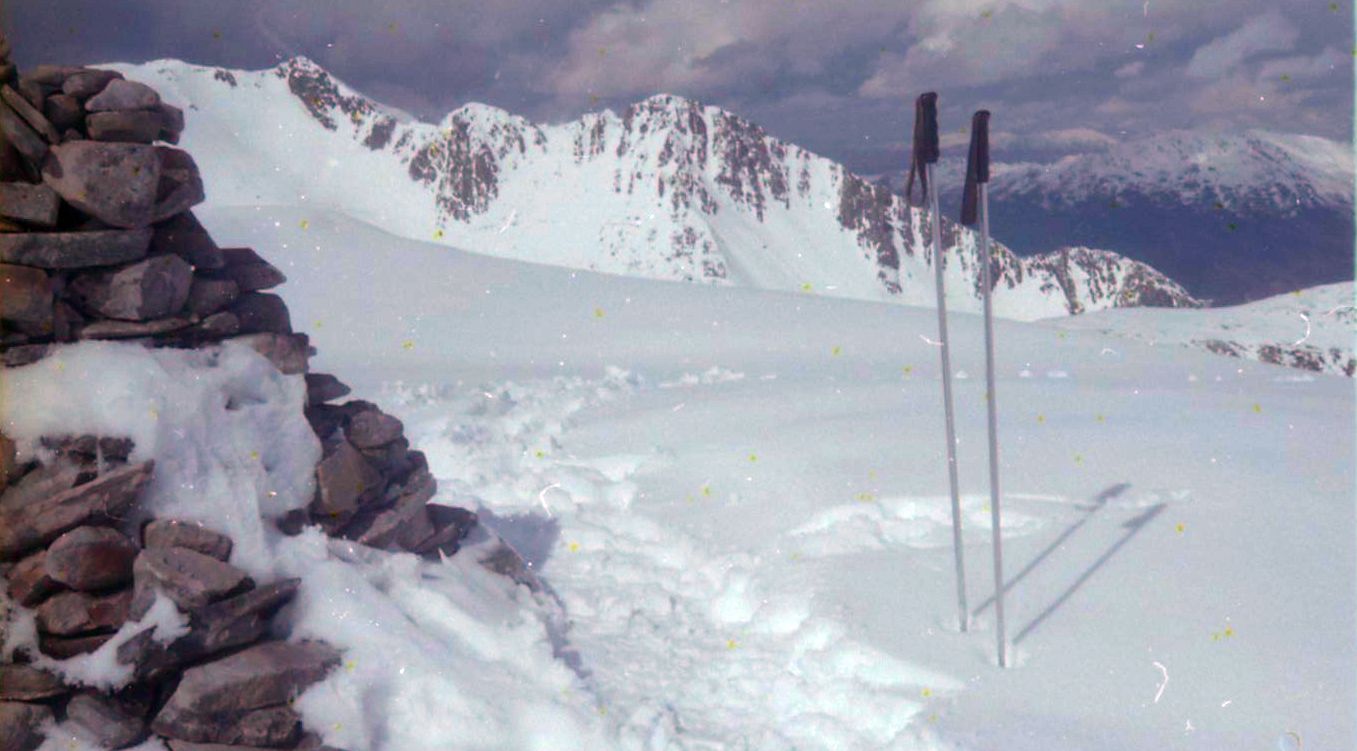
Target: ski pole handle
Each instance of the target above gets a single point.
(977, 166)
(926, 128)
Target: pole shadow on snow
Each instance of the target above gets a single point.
(1132, 527)
(1099, 501)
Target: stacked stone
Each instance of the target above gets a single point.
(68, 551)
(98, 241)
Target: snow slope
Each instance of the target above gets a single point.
(668, 189)
(1310, 329)
(737, 497)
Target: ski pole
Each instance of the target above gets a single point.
(976, 196)
(925, 155)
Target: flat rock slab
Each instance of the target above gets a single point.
(86, 82)
(26, 110)
(172, 533)
(121, 94)
(181, 185)
(268, 727)
(149, 289)
(116, 183)
(105, 499)
(261, 312)
(189, 578)
(77, 613)
(105, 721)
(131, 126)
(27, 683)
(132, 329)
(289, 353)
(21, 725)
(90, 559)
(184, 236)
(324, 387)
(32, 204)
(63, 112)
(29, 582)
(344, 480)
(265, 675)
(66, 647)
(372, 428)
(21, 136)
(208, 296)
(74, 250)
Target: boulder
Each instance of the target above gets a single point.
(132, 126)
(267, 727)
(185, 237)
(189, 578)
(27, 683)
(28, 203)
(146, 290)
(78, 613)
(121, 94)
(266, 675)
(289, 353)
(74, 250)
(344, 481)
(116, 183)
(26, 301)
(63, 112)
(86, 82)
(262, 312)
(30, 114)
(29, 582)
(373, 428)
(21, 135)
(172, 533)
(21, 725)
(207, 296)
(132, 329)
(171, 123)
(105, 721)
(181, 185)
(90, 559)
(105, 499)
(324, 387)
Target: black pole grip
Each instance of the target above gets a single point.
(926, 149)
(977, 167)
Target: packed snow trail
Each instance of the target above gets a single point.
(740, 520)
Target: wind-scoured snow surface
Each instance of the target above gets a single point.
(738, 504)
(668, 189)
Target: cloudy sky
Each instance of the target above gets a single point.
(837, 76)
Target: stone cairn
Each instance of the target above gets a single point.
(97, 241)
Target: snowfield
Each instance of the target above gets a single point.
(737, 503)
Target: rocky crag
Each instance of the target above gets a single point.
(98, 242)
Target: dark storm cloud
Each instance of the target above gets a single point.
(1061, 75)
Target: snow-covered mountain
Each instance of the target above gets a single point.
(668, 189)
(1233, 217)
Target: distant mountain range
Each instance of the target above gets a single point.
(1232, 218)
(667, 189)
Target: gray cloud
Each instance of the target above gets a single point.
(1269, 32)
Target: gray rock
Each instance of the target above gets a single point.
(105, 499)
(29, 203)
(181, 185)
(262, 312)
(452, 525)
(105, 721)
(207, 296)
(265, 675)
(267, 727)
(73, 250)
(27, 683)
(344, 481)
(289, 353)
(324, 387)
(66, 647)
(29, 583)
(45, 481)
(406, 517)
(373, 428)
(171, 123)
(172, 533)
(115, 183)
(90, 559)
(34, 93)
(21, 135)
(185, 237)
(26, 354)
(131, 126)
(63, 112)
(189, 578)
(146, 290)
(86, 82)
(51, 76)
(250, 272)
(78, 613)
(26, 301)
(30, 114)
(121, 94)
(21, 725)
(132, 329)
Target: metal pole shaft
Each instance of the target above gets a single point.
(991, 400)
(963, 613)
